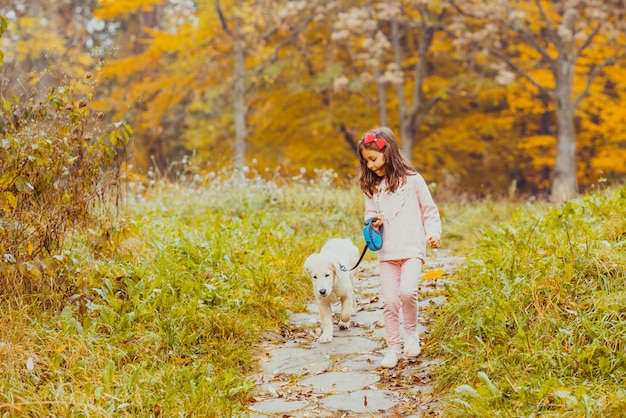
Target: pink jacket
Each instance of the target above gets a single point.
(410, 217)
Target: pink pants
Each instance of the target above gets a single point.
(398, 285)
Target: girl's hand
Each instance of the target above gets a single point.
(434, 242)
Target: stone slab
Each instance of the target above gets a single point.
(305, 379)
(304, 320)
(340, 381)
(368, 318)
(347, 345)
(295, 361)
(277, 406)
(363, 362)
(361, 401)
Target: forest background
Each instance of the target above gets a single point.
(137, 273)
(487, 98)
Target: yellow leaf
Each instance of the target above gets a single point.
(433, 274)
(30, 248)
(8, 202)
(60, 349)
(6, 180)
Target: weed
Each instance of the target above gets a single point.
(536, 325)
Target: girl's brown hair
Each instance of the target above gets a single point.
(397, 168)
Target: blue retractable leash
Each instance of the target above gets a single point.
(373, 240)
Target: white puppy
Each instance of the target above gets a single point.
(332, 282)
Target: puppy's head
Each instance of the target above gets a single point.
(323, 270)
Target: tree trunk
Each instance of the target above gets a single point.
(239, 100)
(406, 133)
(239, 157)
(564, 181)
(382, 98)
(410, 123)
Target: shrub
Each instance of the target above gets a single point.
(536, 324)
(57, 166)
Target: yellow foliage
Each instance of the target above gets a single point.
(179, 91)
(37, 41)
(527, 54)
(110, 9)
(541, 142)
(7, 179)
(8, 202)
(610, 161)
(544, 76)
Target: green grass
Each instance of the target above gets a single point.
(168, 308)
(537, 324)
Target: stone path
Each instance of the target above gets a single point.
(302, 378)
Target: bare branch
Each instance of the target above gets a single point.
(349, 138)
(415, 122)
(521, 72)
(587, 42)
(594, 73)
(551, 31)
(268, 34)
(516, 68)
(220, 14)
(532, 41)
(274, 56)
(524, 34)
(420, 73)
(367, 99)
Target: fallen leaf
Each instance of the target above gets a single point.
(433, 274)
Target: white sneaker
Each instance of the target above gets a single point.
(390, 359)
(412, 345)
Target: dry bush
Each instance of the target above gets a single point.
(57, 165)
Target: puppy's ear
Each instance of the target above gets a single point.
(307, 264)
(335, 264)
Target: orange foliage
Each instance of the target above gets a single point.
(177, 92)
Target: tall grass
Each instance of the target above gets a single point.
(537, 324)
(167, 310)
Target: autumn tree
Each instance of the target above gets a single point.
(290, 85)
(136, 81)
(414, 24)
(390, 44)
(47, 46)
(251, 29)
(558, 37)
(197, 65)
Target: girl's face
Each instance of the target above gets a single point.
(375, 161)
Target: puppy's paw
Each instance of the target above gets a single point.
(325, 338)
(344, 325)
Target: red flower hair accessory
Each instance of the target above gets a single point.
(380, 143)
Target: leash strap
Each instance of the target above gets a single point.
(344, 268)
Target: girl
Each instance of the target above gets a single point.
(397, 195)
